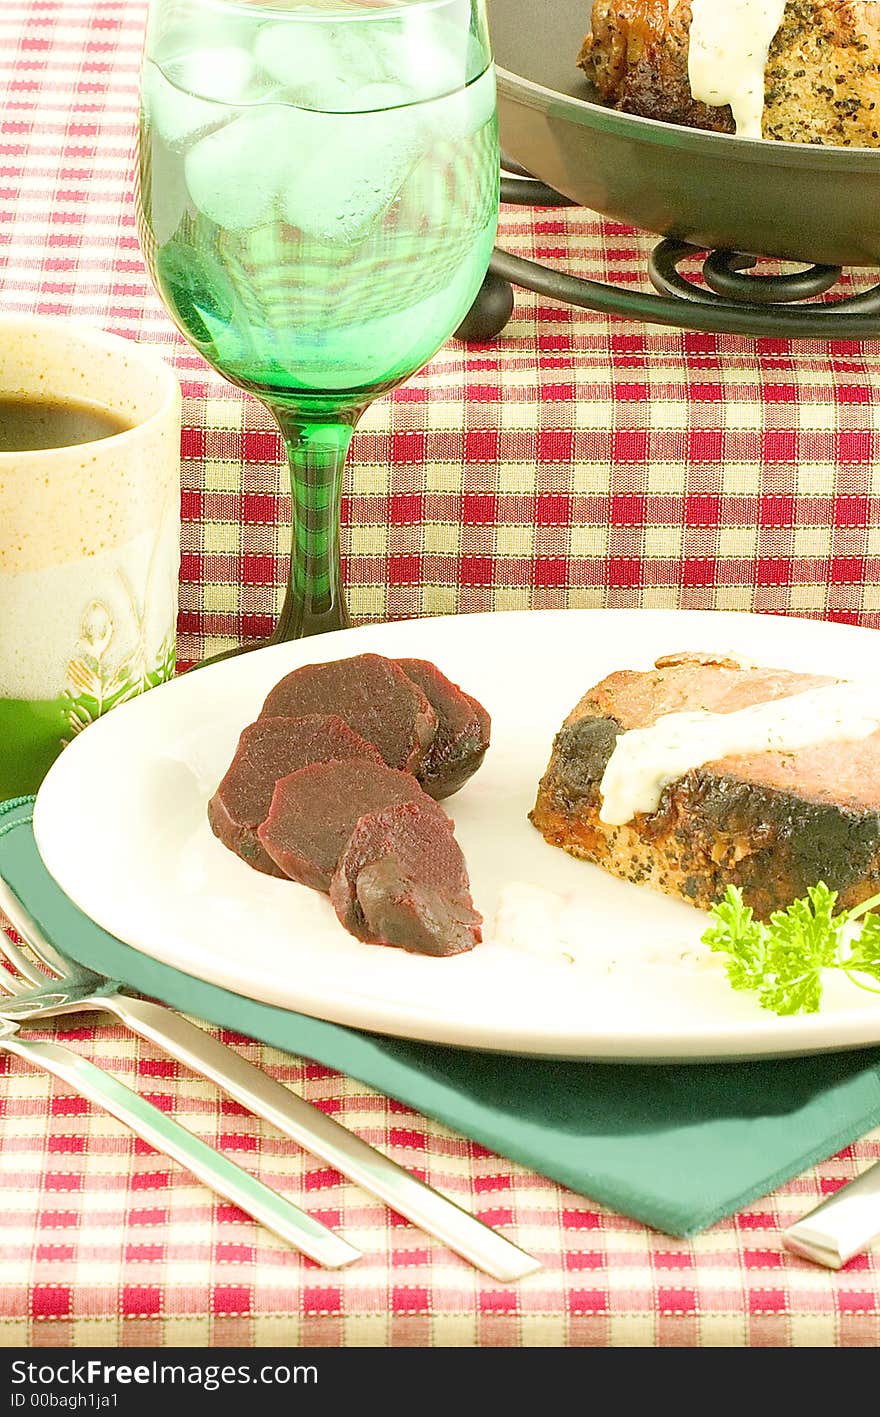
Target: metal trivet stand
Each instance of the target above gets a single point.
(734, 304)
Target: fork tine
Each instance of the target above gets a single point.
(32, 936)
(9, 982)
(19, 960)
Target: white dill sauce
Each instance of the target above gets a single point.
(645, 760)
(727, 56)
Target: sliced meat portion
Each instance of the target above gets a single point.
(268, 750)
(372, 694)
(402, 880)
(636, 699)
(771, 823)
(463, 728)
(315, 811)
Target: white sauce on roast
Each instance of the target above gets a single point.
(727, 56)
(645, 760)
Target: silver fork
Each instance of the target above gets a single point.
(73, 989)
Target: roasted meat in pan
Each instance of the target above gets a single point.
(821, 79)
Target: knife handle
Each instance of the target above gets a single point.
(842, 1226)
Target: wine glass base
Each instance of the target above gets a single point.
(228, 654)
(289, 627)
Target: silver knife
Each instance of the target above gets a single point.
(293, 1115)
(147, 1122)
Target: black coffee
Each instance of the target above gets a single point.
(31, 424)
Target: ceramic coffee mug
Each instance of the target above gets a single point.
(89, 542)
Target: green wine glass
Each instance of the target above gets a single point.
(318, 200)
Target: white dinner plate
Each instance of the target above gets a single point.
(585, 966)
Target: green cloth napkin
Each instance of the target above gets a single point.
(677, 1147)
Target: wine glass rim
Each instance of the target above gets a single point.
(265, 9)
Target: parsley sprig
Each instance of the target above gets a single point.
(782, 959)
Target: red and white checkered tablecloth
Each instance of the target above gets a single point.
(578, 461)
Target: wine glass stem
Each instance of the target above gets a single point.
(316, 452)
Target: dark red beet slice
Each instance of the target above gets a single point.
(315, 810)
(402, 880)
(462, 736)
(270, 749)
(372, 694)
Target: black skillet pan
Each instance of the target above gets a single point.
(809, 204)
